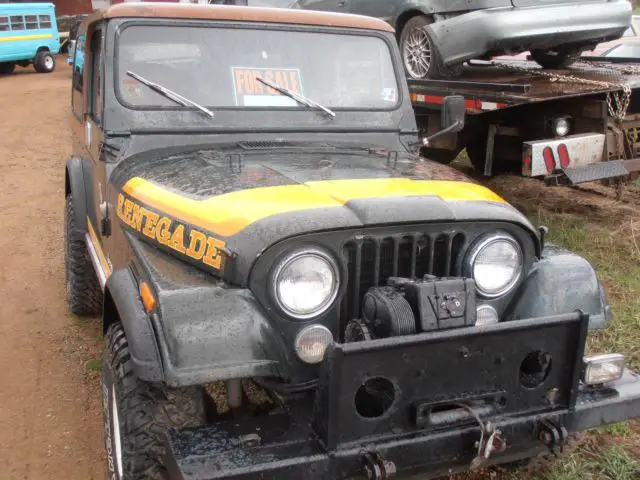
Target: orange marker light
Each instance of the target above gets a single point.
(148, 300)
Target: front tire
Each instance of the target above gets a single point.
(7, 67)
(84, 295)
(44, 62)
(137, 414)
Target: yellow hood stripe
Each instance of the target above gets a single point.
(230, 213)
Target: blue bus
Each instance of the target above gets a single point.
(28, 35)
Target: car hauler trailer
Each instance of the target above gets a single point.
(567, 126)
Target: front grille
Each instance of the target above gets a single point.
(371, 260)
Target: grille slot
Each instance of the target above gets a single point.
(371, 260)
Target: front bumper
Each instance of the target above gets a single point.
(474, 34)
(423, 432)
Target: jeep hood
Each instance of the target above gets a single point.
(220, 212)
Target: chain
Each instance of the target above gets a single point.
(617, 102)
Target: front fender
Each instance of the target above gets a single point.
(75, 185)
(561, 282)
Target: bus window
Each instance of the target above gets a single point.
(45, 21)
(17, 22)
(4, 24)
(31, 22)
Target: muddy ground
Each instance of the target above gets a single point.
(50, 419)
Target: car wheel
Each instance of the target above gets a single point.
(418, 54)
(84, 295)
(45, 62)
(7, 67)
(554, 59)
(137, 414)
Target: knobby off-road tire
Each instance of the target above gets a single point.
(137, 414)
(84, 295)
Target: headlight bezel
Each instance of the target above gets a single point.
(475, 250)
(291, 256)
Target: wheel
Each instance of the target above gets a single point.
(440, 155)
(418, 55)
(7, 67)
(555, 59)
(137, 414)
(44, 62)
(84, 295)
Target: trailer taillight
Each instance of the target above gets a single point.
(549, 161)
(563, 154)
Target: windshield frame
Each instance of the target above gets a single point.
(399, 77)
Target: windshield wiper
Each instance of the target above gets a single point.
(170, 94)
(307, 102)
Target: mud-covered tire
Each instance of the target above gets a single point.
(7, 67)
(144, 412)
(44, 62)
(555, 59)
(84, 295)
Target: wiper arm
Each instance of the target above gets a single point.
(170, 94)
(307, 102)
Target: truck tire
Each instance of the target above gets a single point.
(44, 62)
(137, 414)
(84, 295)
(7, 67)
(553, 59)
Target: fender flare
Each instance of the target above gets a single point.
(74, 185)
(561, 282)
(122, 303)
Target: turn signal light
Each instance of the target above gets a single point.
(148, 300)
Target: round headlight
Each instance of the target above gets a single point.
(306, 283)
(496, 265)
(311, 343)
(561, 126)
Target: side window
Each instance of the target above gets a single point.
(4, 24)
(95, 93)
(31, 22)
(45, 21)
(17, 22)
(78, 63)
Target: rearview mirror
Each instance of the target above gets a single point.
(453, 112)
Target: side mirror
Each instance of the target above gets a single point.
(453, 112)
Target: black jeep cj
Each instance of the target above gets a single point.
(246, 210)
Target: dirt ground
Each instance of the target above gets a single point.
(50, 423)
(50, 420)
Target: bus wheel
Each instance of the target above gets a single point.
(45, 62)
(7, 67)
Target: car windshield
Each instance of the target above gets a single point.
(219, 67)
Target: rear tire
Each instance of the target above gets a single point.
(555, 59)
(84, 295)
(137, 414)
(44, 62)
(7, 67)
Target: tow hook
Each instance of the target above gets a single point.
(377, 468)
(553, 436)
(490, 441)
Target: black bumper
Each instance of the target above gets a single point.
(423, 432)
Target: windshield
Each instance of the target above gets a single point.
(219, 67)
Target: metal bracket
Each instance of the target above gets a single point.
(490, 441)
(491, 141)
(377, 468)
(553, 435)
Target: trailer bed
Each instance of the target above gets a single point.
(495, 85)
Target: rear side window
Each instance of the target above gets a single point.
(31, 21)
(4, 24)
(17, 22)
(45, 21)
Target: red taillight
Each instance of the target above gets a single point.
(563, 153)
(549, 161)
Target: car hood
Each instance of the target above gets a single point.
(220, 212)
